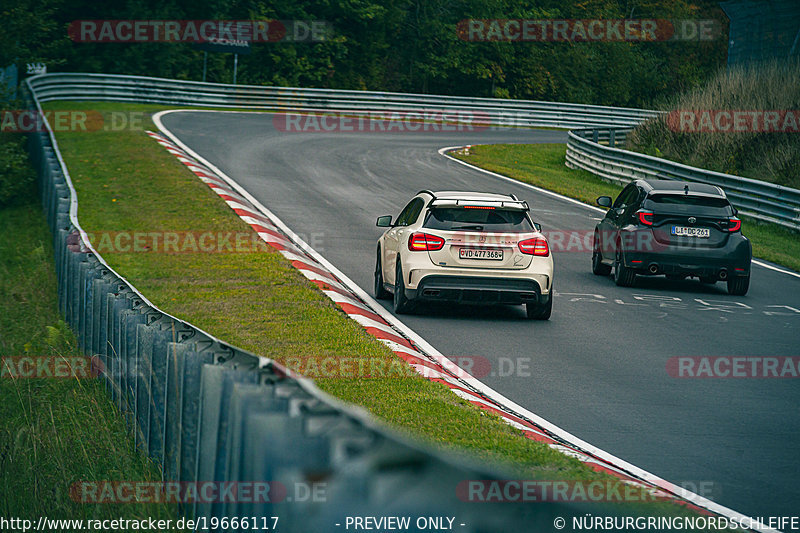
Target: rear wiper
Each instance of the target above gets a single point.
(468, 227)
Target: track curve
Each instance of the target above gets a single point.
(598, 367)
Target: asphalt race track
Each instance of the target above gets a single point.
(598, 368)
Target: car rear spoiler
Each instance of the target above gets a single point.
(511, 205)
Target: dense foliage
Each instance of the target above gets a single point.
(394, 45)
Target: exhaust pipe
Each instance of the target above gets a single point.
(723, 274)
(653, 268)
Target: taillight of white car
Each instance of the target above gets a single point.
(424, 242)
(536, 246)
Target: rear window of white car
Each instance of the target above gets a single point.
(459, 218)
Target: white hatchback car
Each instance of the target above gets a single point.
(465, 247)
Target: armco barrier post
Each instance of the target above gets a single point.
(75, 256)
(273, 443)
(176, 357)
(105, 303)
(69, 253)
(99, 291)
(245, 396)
(119, 303)
(144, 356)
(62, 213)
(129, 320)
(226, 418)
(84, 310)
(193, 364)
(104, 292)
(214, 396)
(274, 430)
(61, 270)
(108, 351)
(246, 401)
(94, 271)
(288, 451)
(164, 335)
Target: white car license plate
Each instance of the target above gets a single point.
(684, 231)
(477, 253)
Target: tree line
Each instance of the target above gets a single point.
(388, 45)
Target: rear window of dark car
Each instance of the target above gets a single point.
(688, 202)
(459, 218)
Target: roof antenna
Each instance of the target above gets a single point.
(686, 189)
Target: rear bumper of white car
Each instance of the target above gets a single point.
(489, 290)
(424, 281)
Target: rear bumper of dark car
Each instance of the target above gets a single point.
(464, 289)
(733, 259)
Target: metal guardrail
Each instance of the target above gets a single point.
(208, 411)
(488, 111)
(757, 199)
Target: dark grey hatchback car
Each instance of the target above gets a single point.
(674, 228)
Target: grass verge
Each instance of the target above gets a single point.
(53, 432)
(543, 165)
(258, 301)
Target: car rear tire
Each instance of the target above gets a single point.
(402, 305)
(540, 311)
(379, 290)
(598, 267)
(738, 285)
(623, 276)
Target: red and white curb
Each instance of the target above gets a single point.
(410, 347)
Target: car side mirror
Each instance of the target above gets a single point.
(604, 201)
(384, 222)
(537, 226)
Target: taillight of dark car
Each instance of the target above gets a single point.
(645, 217)
(421, 242)
(732, 224)
(536, 246)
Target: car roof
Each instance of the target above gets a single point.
(676, 186)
